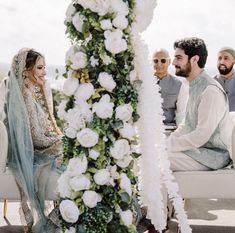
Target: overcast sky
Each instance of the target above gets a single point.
(39, 24)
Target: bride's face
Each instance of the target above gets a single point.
(39, 71)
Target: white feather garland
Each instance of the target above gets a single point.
(150, 124)
(154, 166)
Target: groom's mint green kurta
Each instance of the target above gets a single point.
(203, 135)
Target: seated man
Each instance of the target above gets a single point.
(226, 76)
(173, 91)
(201, 142)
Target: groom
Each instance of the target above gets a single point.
(201, 142)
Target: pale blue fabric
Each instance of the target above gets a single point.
(214, 154)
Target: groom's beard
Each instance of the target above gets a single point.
(225, 70)
(183, 71)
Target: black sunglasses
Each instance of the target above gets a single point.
(163, 60)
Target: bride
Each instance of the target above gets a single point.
(35, 139)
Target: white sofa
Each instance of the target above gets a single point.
(8, 188)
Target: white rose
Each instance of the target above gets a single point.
(119, 6)
(125, 183)
(128, 131)
(84, 91)
(102, 177)
(69, 211)
(106, 24)
(94, 154)
(101, 7)
(61, 110)
(120, 148)
(78, 21)
(70, 230)
(79, 183)
(70, 53)
(94, 62)
(106, 59)
(124, 162)
(113, 174)
(114, 42)
(120, 21)
(84, 108)
(106, 81)
(77, 166)
(87, 137)
(70, 12)
(78, 60)
(124, 112)
(71, 132)
(63, 185)
(91, 198)
(75, 119)
(70, 86)
(103, 108)
(126, 217)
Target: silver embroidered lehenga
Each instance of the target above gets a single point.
(35, 146)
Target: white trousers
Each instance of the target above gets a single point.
(182, 162)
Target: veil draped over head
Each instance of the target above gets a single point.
(21, 158)
(22, 152)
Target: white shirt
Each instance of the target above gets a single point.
(181, 103)
(213, 106)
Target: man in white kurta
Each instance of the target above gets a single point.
(201, 142)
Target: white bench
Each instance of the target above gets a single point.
(8, 188)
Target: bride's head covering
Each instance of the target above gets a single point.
(21, 156)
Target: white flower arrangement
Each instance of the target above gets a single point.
(114, 41)
(100, 113)
(77, 166)
(124, 112)
(79, 183)
(120, 148)
(69, 211)
(106, 24)
(91, 198)
(103, 108)
(70, 86)
(102, 177)
(106, 81)
(84, 91)
(127, 217)
(78, 21)
(87, 137)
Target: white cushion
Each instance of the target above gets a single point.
(3, 146)
(10, 191)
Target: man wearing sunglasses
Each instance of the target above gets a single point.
(173, 91)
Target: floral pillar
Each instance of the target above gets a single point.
(100, 111)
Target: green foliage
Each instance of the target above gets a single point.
(105, 216)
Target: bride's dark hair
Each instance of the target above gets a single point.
(31, 59)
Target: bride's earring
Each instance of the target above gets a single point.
(26, 81)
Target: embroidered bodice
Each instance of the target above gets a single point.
(45, 136)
